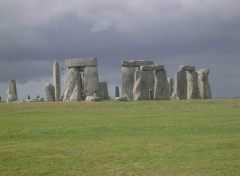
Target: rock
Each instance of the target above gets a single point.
(170, 83)
(181, 85)
(143, 81)
(91, 81)
(203, 83)
(50, 92)
(117, 91)
(121, 98)
(148, 68)
(136, 63)
(127, 82)
(80, 62)
(159, 68)
(56, 80)
(161, 88)
(12, 91)
(103, 90)
(192, 84)
(72, 84)
(187, 68)
(93, 98)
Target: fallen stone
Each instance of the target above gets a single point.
(121, 98)
(12, 91)
(93, 98)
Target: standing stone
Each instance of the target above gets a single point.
(103, 90)
(170, 83)
(127, 82)
(151, 96)
(50, 92)
(56, 80)
(91, 82)
(72, 84)
(12, 91)
(203, 83)
(181, 85)
(192, 84)
(161, 89)
(143, 82)
(117, 92)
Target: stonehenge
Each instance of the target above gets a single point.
(12, 92)
(50, 92)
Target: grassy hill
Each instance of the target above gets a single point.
(199, 137)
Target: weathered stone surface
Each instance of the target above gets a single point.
(93, 98)
(159, 67)
(181, 85)
(170, 83)
(72, 84)
(148, 68)
(91, 81)
(117, 94)
(136, 63)
(81, 62)
(127, 82)
(192, 85)
(121, 98)
(12, 91)
(103, 90)
(203, 83)
(161, 88)
(187, 68)
(56, 80)
(50, 92)
(143, 81)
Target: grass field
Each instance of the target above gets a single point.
(199, 137)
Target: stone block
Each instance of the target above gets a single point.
(91, 81)
(56, 80)
(161, 89)
(148, 68)
(192, 85)
(103, 90)
(81, 62)
(159, 68)
(180, 89)
(136, 63)
(203, 83)
(12, 91)
(127, 82)
(187, 68)
(50, 92)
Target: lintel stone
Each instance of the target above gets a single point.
(136, 63)
(80, 62)
(187, 68)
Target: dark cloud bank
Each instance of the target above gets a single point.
(200, 33)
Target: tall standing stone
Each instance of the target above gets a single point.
(161, 88)
(72, 84)
(12, 91)
(117, 92)
(50, 92)
(203, 83)
(192, 84)
(181, 85)
(91, 81)
(143, 82)
(127, 82)
(56, 80)
(103, 90)
(170, 83)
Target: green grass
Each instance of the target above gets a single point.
(199, 137)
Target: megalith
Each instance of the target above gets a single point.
(72, 84)
(56, 80)
(161, 88)
(128, 73)
(91, 81)
(203, 83)
(192, 84)
(181, 85)
(103, 90)
(50, 92)
(143, 82)
(12, 91)
(170, 83)
(117, 94)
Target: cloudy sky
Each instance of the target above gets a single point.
(203, 33)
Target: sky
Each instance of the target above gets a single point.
(202, 33)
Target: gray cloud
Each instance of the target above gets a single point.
(202, 33)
